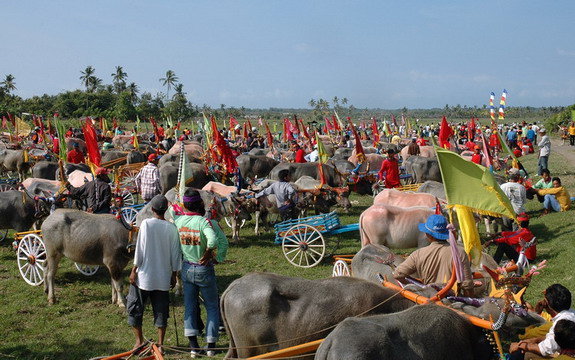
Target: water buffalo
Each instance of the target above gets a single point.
(405, 198)
(424, 332)
(264, 312)
(310, 169)
(393, 226)
(422, 169)
(342, 153)
(434, 188)
(252, 166)
(70, 144)
(88, 239)
(331, 195)
(18, 211)
(372, 162)
(13, 160)
(45, 170)
(192, 148)
(41, 187)
(70, 168)
(169, 176)
(424, 151)
(132, 157)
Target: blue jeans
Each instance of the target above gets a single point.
(542, 164)
(200, 279)
(550, 202)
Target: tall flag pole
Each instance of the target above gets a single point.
(502, 105)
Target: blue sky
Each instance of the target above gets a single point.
(266, 53)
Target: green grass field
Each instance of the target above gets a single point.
(83, 324)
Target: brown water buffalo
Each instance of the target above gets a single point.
(331, 195)
(192, 149)
(424, 151)
(70, 144)
(424, 332)
(406, 198)
(88, 239)
(169, 176)
(264, 312)
(310, 169)
(393, 226)
(253, 166)
(13, 160)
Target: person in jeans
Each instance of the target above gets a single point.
(555, 199)
(544, 151)
(199, 242)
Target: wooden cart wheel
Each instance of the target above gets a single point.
(229, 222)
(87, 270)
(127, 197)
(129, 214)
(340, 268)
(6, 187)
(128, 178)
(303, 246)
(31, 257)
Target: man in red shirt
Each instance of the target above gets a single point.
(510, 241)
(390, 168)
(421, 141)
(75, 156)
(299, 153)
(476, 157)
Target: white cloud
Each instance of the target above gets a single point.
(568, 53)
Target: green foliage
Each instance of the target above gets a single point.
(124, 109)
(562, 118)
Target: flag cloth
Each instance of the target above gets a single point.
(250, 125)
(469, 233)
(502, 105)
(233, 122)
(114, 123)
(394, 122)
(61, 132)
(91, 140)
(135, 139)
(471, 129)
(304, 130)
(339, 123)
(322, 154)
(223, 150)
(22, 128)
(269, 136)
(207, 132)
(245, 132)
(184, 173)
(486, 153)
(471, 185)
(335, 123)
(491, 106)
(375, 131)
(328, 125)
(445, 132)
(296, 125)
(358, 148)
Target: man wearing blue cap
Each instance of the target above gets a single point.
(433, 263)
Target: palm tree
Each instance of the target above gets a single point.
(312, 103)
(133, 90)
(8, 83)
(88, 77)
(119, 79)
(169, 81)
(179, 89)
(344, 101)
(335, 101)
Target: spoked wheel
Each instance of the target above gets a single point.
(340, 268)
(303, 246)
(6, 187)
(128, 178)
(229, 222)
(129, 215)
(31, 256)
(87, 270)
(127, 197)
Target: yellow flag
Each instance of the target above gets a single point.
(321, 152)
(469, 233)
(23, 129)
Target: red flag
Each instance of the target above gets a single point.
(358, 148)
(335, 123)
(296, 124)
(269, 136)
(471, 129)
(375, 132)
(233, 122)
(328, 125)
(179, 124)
(12, 120)
(224, 153)
(245, 130)
(91, 143)
(445, 132)
(250, 125)
(394, 121)
(4, 122)
(304, 130)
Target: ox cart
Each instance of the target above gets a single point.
(31, 256)
(303, 240)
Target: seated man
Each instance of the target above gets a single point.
(285, 194)
(557, 198)
(433, 263)
(510, 242)
(557, 302)
(544, 183)
(565, 338)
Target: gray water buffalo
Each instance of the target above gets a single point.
(332, 196)
(41, 187)
(424, 332)
(252, 166)
(169, 176)
(422, 169)
(13, 160)
(176, 158)
(342, 153)
(88, 239)
(258, 152)
(310, 169)
(434, 188)
(18, 211)
(70, 168)
(45, 170)
(264, 312)
(132, 157)
(374, 259)
(372, 162)
(393, 226)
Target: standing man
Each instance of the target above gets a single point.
(75, 156)
(390, 170)
(413, 147)
(433, 263)
(544, 151)
(512, 137)
(572, 133)
(148, 179)
(157, 259)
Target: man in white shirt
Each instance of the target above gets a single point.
(157, 259)
(312, 156)
(517, 196)
(557, 302)
(544, 151)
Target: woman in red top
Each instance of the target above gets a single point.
(299, 154)
(510, 241)
(390, 168)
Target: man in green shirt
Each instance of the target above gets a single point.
(544, 183)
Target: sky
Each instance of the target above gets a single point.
(268, 53)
